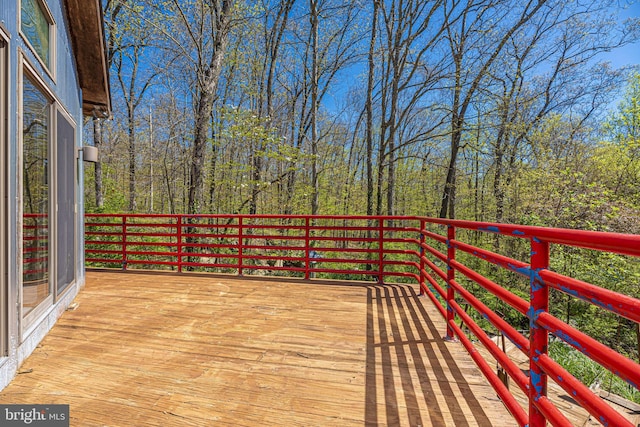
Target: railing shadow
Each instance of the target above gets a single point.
(409, 368)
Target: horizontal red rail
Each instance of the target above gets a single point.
(418, 249)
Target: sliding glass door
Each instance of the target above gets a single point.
(48, 185)
(66, 202)
(36, 203)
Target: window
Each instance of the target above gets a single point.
(36, 25)
(36, 124)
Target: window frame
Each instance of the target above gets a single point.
(4, 191)
(49, 69)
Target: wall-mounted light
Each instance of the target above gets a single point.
(89, 153)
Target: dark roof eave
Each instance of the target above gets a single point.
(86, 28)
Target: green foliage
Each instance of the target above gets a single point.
(623, 126)
(115, 200)
(590, 372)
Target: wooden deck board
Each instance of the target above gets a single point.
(145, 349)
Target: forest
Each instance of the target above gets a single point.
(487, 110)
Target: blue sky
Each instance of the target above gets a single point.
(628, 55)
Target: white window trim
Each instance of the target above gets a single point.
(51, 69)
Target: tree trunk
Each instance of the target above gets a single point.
(391, 143)
(151, 160)
(449, 194)
(208, 79)
(203, 112)
(214, 163)
(369, 108)
(498, 187)
(132, 159)
(314, 106)
(256, 176)
(380, 181)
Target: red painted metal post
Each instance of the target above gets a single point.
(240, 244)
(451, 276)
(124, 242)
(307, 249)
(179, 241)
(380, 251)
(538, 336)
(423, 225)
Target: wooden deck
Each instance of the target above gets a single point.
(169, 350)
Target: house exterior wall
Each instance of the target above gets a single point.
(61, 83)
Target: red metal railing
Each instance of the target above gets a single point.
(431, 252)
(348, 246)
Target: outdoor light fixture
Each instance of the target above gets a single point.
(89, 153)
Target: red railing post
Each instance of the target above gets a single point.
(124, 242)
(307, 249)
(538, 336)
(451, 276)
(240, 244)
(423, 225)
(179, 241)
(380, 250)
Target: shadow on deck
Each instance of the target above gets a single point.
(183, 350)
